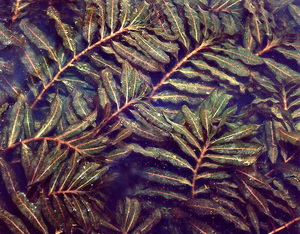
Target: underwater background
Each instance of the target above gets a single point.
(154, 116)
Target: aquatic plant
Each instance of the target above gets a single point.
(150, 116)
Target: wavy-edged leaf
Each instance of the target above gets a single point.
(281, 70)
(32, 62)
(86, 175)
(271, 141)
(176, 98)
(38, 38)
(233, 66)
(141, 131)
(49, 166)
(9, 177)
(65, 31)
(7, 37)
(52, 117)
(153, 116)
(165, 177)
(140, 14)
(14, 224)
(28, 122)
(193, 21)
(149, 223)
(253, 217)
(295, 12)
(79, 210)
(89, 25)
(162, 193)
(176, 22)
(214, 71)
(208, 207)
(193, 122)
(112, 12)
(136, 57)
(236, 134)
(242, 148)
(184, 146)
(254, 197)
(130, 213)
(185, 132)
(78, 127)
(242, 54)
(15, 122)
(193, 88)
(292, 137)
(156, 53)
(236, 160)
(163, 155)
(27, 158)
(289, 54)
(110, 86)
(30, 211)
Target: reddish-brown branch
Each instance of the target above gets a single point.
(115, 114)
(285, 225)
(76, 57)
(40, 139)
(204, 45)
(197, 168)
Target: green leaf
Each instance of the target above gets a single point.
(193, 122)
(165, 177)
(78, 127)
(193, 21)
(280, 70)
(7, 37)
(30, 211)
(292, 137)
(176, 22)
(184, 146)
(242, 148)
(27, 158)
(139, 14)
(153, 116)
(9, 177)
(14, 224)
(131, 214)
(236, 160)
(52, 117)
(149, 222)
(242, 54)
(163, 193)
(217, 72)
(236, 134)
(193, 88)
(89, 25)
(110, 86)
(136, 57)
(15, 121)
(142, 131)
(49, 166)
(208, 207)
(112, 12)
(163, 155)
(32, 62)
(86, 175)
(28, 122)
(65, 31)
(233, 66)
(38, 38)
(185, 132)
(156, 53)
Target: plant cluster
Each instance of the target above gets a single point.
(153, 116)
